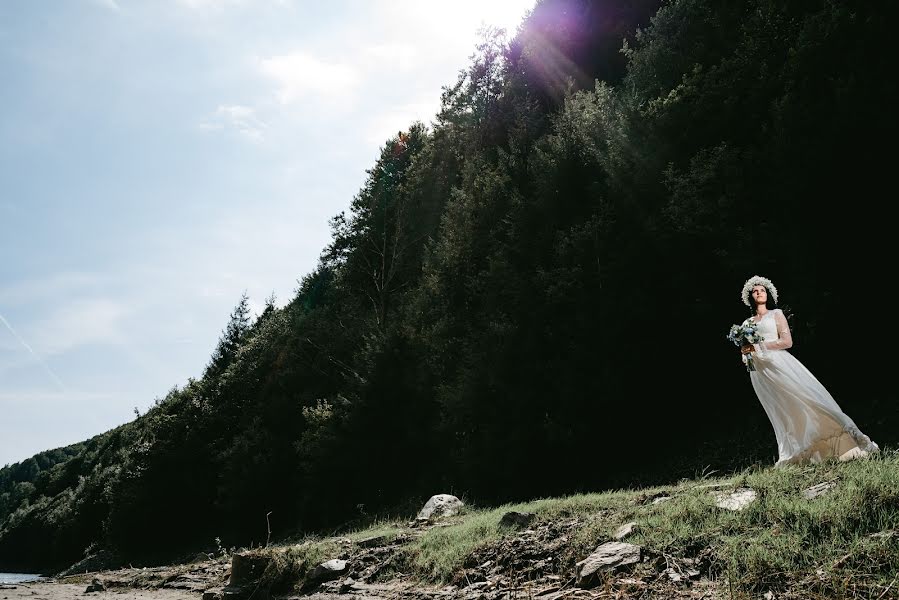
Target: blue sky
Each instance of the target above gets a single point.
(160, 157)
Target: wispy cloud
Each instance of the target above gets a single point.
(240, 118)
(33, 354)
(320, 85)
(299, 75)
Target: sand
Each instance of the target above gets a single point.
(46, 590)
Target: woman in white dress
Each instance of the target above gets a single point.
(809, 425)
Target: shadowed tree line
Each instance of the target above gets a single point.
(530, 296)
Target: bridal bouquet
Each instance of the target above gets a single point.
(747, 333)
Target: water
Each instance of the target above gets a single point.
(8, 578)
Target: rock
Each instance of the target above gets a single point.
(819, 489)
(736, 500)
(626, 530)
(95, 586)
(103, 560)
(371, 542)
(607, 557)
(441, 505)
(213, 594)
(673, 575)
(326, 571)
(247, 567)
(246, 592)
(516, 519)
(661, 499)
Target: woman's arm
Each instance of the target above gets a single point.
(784, 338)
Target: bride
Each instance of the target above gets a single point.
(809, 425)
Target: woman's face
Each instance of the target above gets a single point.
(759, 294)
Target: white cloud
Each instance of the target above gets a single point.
(322, 94)
(392, 56)
(451, 26)
(299, 75)
(243, 119)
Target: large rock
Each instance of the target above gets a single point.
(247, 567)
(327, 571)
(610, 556)
(441, 505)
(625, 531)
(736, 500)
(516, 519)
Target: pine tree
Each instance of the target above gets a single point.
(233, 336)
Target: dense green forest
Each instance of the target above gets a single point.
(530, 296)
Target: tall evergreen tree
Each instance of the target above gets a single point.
(233, 336)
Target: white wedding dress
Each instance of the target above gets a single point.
(809, 425)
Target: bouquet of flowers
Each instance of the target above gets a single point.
(747, 333)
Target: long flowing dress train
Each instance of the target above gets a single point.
(808, 423)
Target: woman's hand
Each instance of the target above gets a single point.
(746, 349)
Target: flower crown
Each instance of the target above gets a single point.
(754, 281)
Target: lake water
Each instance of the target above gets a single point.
(7, 578)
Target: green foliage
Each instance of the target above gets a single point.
(529, 298)
(232, 338)
(782, 541)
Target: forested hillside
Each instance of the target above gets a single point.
(530, 297)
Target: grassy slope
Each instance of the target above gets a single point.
(819, 548)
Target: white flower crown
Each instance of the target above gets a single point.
(754, 281)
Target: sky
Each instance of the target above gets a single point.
(159, 158)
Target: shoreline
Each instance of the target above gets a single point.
(172, 582)
(58, 590)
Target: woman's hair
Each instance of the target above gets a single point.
(770, 304)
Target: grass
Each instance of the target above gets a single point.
(826, 547)
(389, 531)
